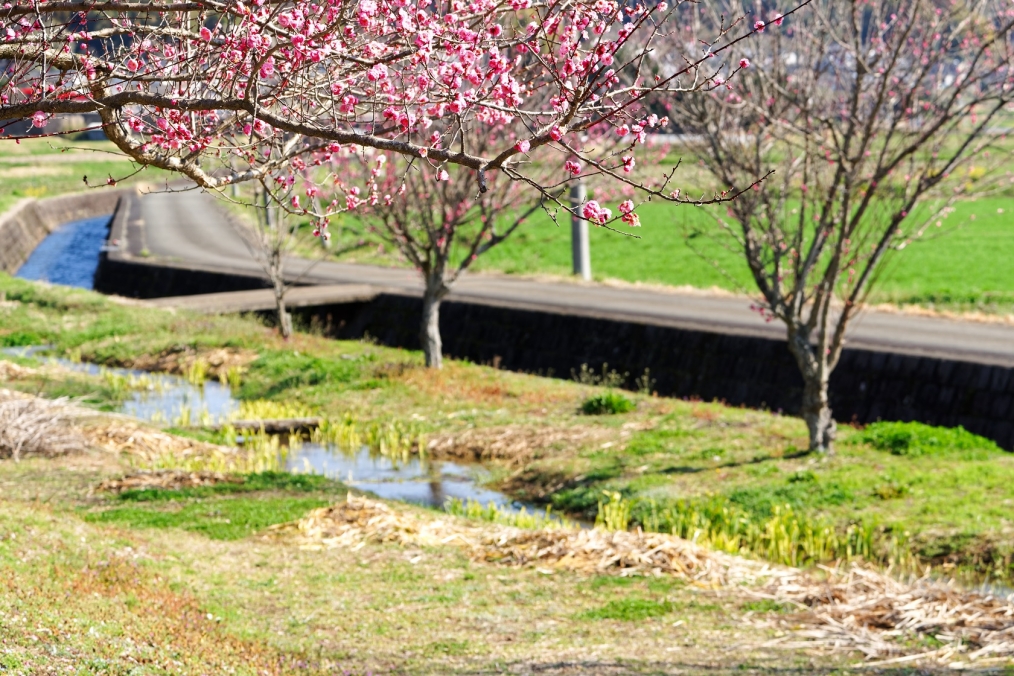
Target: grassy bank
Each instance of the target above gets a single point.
(733, 477)
(190, 577)
(46, 167)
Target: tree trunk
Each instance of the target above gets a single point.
(429, 330)
(284, 318)
(816, 406)
(817, 414)
(278, 286)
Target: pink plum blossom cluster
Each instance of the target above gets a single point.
(225, 91)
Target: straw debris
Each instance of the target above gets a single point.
(839, 609)
(167, 479)
(11, 371)
(34, 426)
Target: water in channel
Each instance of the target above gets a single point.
(69, 255)
(161, 398)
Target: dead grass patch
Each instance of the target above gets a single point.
(514, 444)
(136, 622)
(154, 448)
(168, 479)
(11, 371)
(35, 426)
(851, 608)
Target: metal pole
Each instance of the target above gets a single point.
(580, 251)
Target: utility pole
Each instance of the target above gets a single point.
(580, 251)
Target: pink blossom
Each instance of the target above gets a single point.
(205, 33)
(744, 63)
(758, 26)
(631, 219)
(39, 119)
(622, 130)
(522, 146)
(377, 72)
(628, 163)
(133, 65)
(312, 191)
(778, 20)
(573, 168)
(555, 133)
(627, 206)
(442, 175)
(595, 213)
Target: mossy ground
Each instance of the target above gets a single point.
(162, 582)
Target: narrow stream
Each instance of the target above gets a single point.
(69, 255)
(161, 398)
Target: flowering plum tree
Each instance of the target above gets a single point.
(867, 112)
(224, 91)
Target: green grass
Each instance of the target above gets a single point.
(218, 518)
(224, 511)
(41, 168)
(915, 439)
(962, 266)
(732, 477)
(631, 610)
(261, 481)
(607, 403)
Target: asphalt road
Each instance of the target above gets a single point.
(190, 228)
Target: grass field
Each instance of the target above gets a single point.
(46, 167)
(961, 266)
(186, 581)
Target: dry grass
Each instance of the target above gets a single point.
(168, 479)
(35, 426)
(514, 445)
(469, 384)
(854, 610)
(861, 609)
(11, 371)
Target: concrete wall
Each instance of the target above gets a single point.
(125, 275)
(741, 370)
(29, 221)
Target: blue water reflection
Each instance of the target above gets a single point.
(69, 255)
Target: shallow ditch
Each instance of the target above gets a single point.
(161, 399)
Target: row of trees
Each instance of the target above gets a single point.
(831, 132)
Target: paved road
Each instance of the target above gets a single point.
(190, 228)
